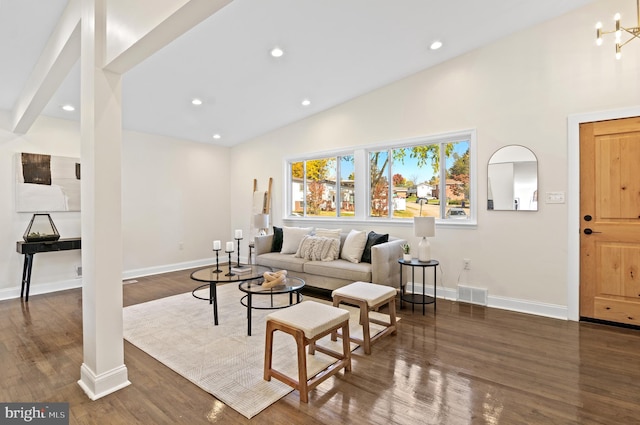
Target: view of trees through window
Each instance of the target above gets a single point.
(315, 189)
(406, 182)
(431, 179)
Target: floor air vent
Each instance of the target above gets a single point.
(469, 294)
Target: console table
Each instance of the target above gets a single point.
(416, 298)
(31, 248)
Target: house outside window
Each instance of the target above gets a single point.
(430, 176)
(426, 180)
(315, 191)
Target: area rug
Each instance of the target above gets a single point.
(179, 332)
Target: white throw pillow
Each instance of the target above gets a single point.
(354, 246)
(328, 233)
(318, 248)
(291, 237)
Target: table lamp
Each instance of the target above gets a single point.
(424, 227)
(261, 222)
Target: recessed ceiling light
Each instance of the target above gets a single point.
(306, 102)
(68, 108)
(277, 52)
(196, 101)
(217, 136)
(436, 45)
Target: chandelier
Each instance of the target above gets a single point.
(633, 31)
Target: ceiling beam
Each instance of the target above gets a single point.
(58, 57)
(151, 30)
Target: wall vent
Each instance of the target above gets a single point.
(469, 294)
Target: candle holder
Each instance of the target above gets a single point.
(217, 270)
(238, 262)
(230, 272)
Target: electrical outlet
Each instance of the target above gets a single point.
(79, 271)
(467, 264)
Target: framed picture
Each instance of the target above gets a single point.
(46, 183)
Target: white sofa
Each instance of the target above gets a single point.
(384, 268)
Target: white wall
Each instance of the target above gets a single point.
(175, 202)
(519, 90)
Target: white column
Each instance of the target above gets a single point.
(103, 370)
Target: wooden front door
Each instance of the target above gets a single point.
(610, 220)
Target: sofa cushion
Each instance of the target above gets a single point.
(281, 261)
(276, 242)
(328, 233)
(353, 246)
(318, 248)
(291, 238)
(373, 238)
(341, 269)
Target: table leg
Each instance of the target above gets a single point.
(434, 290)
(214, 300)
(249, 314)
(26, 276)
(413, 289)
(424, 297)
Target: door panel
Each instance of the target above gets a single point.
(610, 220)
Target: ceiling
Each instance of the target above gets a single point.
(335, 50)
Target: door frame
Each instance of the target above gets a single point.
(573, 198)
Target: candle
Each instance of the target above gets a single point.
(239, 234)
(216, 245)
(229, 246)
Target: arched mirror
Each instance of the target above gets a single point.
(513, 180)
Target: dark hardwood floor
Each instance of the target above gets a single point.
(465, 365)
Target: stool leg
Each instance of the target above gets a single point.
(302, 367)
(366, 333)
(392, 314)
(346, 346)
(268, 349)
(336, 303)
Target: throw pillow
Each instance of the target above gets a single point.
(276, 242)
(372, 239)
(318, 248)
(354, 246)
(291, 237)
(328, 233)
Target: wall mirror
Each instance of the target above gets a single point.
(512, 180)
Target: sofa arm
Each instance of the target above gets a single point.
(385, 269)
(262, 244)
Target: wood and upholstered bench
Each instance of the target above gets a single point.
(307, 322)
(368, 296)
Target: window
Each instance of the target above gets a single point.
(323, 187)
(431, 179)
(428, 176)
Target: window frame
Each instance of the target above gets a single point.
(362, 181)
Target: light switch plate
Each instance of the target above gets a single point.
(554, 197)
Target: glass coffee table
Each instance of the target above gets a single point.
(213, 276)
(291, 286)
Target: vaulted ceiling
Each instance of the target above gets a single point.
(334, 50)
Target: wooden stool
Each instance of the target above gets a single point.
(368, 296)
(307, 322)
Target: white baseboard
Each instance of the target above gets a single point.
(149, 271)
(41, 288)
(554, 311)
(522, 306)
(97, 386)
(48, 287)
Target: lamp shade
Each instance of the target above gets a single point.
(424, 227)
(261, 221)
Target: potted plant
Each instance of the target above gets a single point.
(406, 252)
